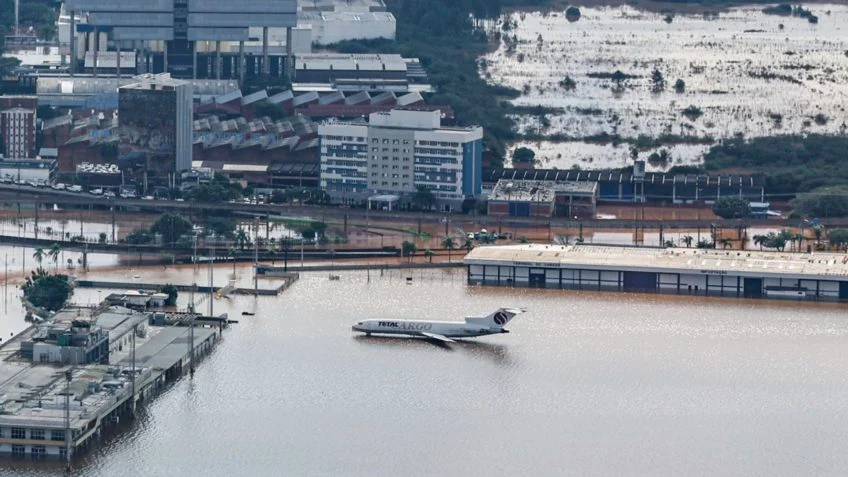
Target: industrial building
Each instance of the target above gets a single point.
(155, 127)
(397, 151)
(332, 21)
(543, 199)
(76, 343)
(618, 186)
(750, 274)
(179, 28)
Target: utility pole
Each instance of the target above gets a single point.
(68, 377)
(211, 280)
(132, 354)
(256, 261)
(191, 317)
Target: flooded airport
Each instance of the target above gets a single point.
(586, 383)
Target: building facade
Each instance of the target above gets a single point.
(155, 126)
(397, 152)
(17, 127)
(690, 271)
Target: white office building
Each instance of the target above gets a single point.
(396, 152)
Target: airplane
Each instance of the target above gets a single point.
(443, 331)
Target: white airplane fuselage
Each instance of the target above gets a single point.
(450, 329)
(490, 324)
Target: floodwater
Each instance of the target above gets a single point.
(587, 383)
(749, 73)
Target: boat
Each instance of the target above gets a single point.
(785, 292)
(247, 313)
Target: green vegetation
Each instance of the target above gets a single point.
(171, 228)
(823, 202)
(679, 86)
(47, 291)
(423, 198)
(789, 164)
(171, 290)
(219, 189)
(838, 238)
(523, 155)
(408, 249)
(731, 207)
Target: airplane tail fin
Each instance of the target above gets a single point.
(498, 318)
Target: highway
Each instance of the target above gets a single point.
(13, 193)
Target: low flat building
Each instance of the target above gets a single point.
(543, 199)
(78, 342)
(750, 274)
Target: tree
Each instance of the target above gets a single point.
(567, 84)
(823, 202)
(725, 242)
(7, 64)
(469, 244)
(818, 232)
(53, 253)
(679, 86)
(242, 239)
(220, 226)
(523, 155)
(449, 244)
(429, 254)
(308, 234)
(731, 207)
(139, 237)
(687, 239)
(759, 240)
(172, 292)
(102, 237)
(47, 291)
(838, 238)
(423, 198)
(39, 255)
(668, 243)
(171, 227)
(657, 81)
(408, 248)
(319, 228)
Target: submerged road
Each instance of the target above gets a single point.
(25, 194)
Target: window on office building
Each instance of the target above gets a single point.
(38, 452)
(36, 434)
(18, 433)
(18, 450)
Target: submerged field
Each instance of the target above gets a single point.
(746, 74)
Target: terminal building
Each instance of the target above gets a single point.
(749, 274)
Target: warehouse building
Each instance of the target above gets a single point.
(543, 199)
(618, 186)
(750, 274)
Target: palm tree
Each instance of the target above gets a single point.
(760, 240)
(408, 248)
(449, 244)
(53, 253)
(800, 238)
(39, 255)
(469, 244)
(818, 231)
(241, 238)
(668, 243)
(725, 242)
(429, 254)
(687, 239)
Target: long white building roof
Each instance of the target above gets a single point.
(827, 266)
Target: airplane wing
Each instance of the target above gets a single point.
(434, 336)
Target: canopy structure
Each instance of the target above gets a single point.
(387, 199)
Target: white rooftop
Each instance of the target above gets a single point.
(671, 260)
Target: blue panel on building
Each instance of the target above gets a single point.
(608, 190)
(519, 209)
(472, 167)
